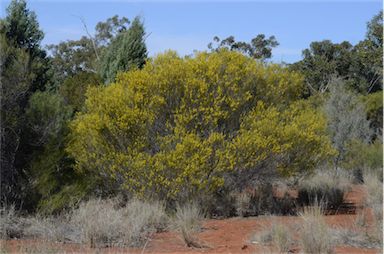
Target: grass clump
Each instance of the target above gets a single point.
(281, 238)
(242, 203)
(11, 223)
(56, 228)
(278, 235)
(99, 223)
(187, 221)
(315, 235)
(355, 236)
(374, 201)
(105, 223)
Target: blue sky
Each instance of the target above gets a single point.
(185, 26)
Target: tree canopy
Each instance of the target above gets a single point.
(127, 51)
(83, 55)
(260, 47)
(360, 65)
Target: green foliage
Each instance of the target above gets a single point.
(53, 178)
(176, 127)
(258, 48)
(71, 57)
(360, 65)
(173, 129)
(22, 30)
(322, 61)
(23, 68)
(127, 51)
(108, 30)
(76, 56)
(46, 115)
(366, 67)
(55, 183)
(21, 26)
(15, 81)
(74, 88)
(375, 30)
(14, 85)
(374, 108)
(361, 155)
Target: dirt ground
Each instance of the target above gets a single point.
(234, 235)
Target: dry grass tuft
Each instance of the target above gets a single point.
(11, 224)
(281, 238)
(99, 223)
(315, 235)
(242, 202)
(278, 235)
(187, 221)
(55, 229)
(375, 202)
(104, 223)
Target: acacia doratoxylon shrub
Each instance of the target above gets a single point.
(173, 128)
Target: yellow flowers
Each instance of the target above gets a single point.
(173, 128)
(293, 139)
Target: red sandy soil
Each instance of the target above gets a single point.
(232, 235)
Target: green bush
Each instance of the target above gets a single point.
(174, 128)
(74, 88)
(374, 108)
(363, 156)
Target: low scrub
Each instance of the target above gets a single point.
(97, 222)
(242, 202)
(356, 237)
(281, 238)
(278, 235)
(220, 204)
(57, 229)
(374, 187)
(315, 235)
(187, 221)
(327, 186)
(361, 155)
(261, 200)
(104, 223)
(363, 233)
(11, 224)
